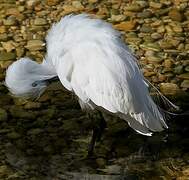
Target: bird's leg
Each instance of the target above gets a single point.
(99, 124)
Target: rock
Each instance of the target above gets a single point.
(185, 84)
(2, 29)
(53, 2)
(21, 8)
(175, 14)
(177, 28)
(13, 135)
(145, 14)
(118, 18)
(3, 115)
(150, 46)
(4, 171)
(93, 1)
(10, 21)
(3, 37)
(40, 22)
(154, 59)
(165, 44)
(8, 46)
(184, 76)
(169, 88)
(35, 131)
(125, 26)
(155, 5)
(18, 112)
(112, 169)
(101, 162)
(77, 5)
(35, 44)
(156, 36)
(145, 28)
(133, 7)
(31, 3)
(168, 63)
(5, 64)
(6, 56)
(178, 69)
(20, 51)
(186, 68)
(32, 105)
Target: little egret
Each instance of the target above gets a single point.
(89, 58)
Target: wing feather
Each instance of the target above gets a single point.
(98, 67)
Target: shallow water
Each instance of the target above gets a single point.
(51, 143)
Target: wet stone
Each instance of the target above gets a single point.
(10, 21)
(13, 135)
(126, 26)
(3, 37)
(3, 115)
(6, 56)
(169, 88)
(175, 14)
(185, 84)
(35, 44)
(40, 22)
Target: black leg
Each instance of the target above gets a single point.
(98, 128)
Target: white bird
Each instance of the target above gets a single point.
(92, 61)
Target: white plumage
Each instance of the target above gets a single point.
(91, 60)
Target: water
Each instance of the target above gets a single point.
(50, 143)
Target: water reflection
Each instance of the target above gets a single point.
(51, 143)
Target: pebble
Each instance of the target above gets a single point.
(3, 37)
(150, 46)
(133, 7)
(118, 18)
(6, 56)
(13, 135)
(155, 5)
(184, 76)
(34, 45)
(156, 36)
(8, 46)
(185, 84)
(40, 22)
(77, 5)
(3, 115)
(10, 21)
(126, 26)
(169, 88)
(145, 14)
(175, 15)
(52, 2)
(2, 29)
(32, 105)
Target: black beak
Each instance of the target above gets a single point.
(46, 81)
(51, 80)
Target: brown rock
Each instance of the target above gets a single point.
(175, 14)
(185, 84)
(169, 88)
(52, 2)
(2, 29)
(184, 76)
(126, 26)
(8, 46)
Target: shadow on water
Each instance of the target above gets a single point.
(51, 143)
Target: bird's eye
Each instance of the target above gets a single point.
(34, 84)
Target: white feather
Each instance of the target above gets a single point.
(92, 61)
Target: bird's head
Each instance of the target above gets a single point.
(26, 78)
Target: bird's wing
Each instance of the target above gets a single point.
(92, 80)
(109, 77)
